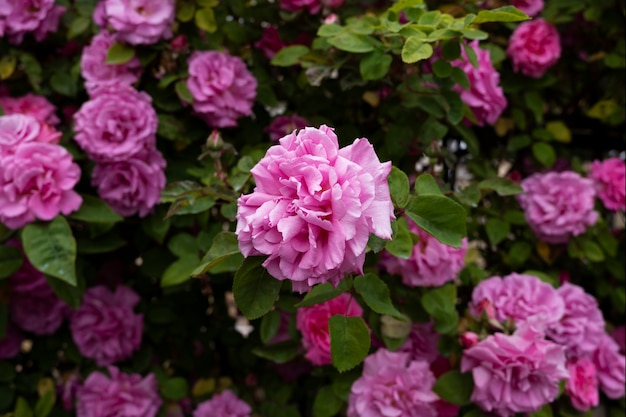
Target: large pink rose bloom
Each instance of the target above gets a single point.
(225, 403)
(514, 373)
(534, 47)
(98, 73)
(284, 125)
(582, 326)
(25, 16)
(518, 297)
(312, 322)
(36, 182)
(484, 97)
(530, 7)
(609, 177)
(314, 207)
(393, 385)
(558, 205)
(31, 105)
(140, 21)
(116, 124)
(11, 343)
(431, 263)
(611, 367)
(19, 128)
(223, 89)
(118, 395)
(105, 328)
(132, 186)
(582, 384)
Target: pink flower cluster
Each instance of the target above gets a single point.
(284, 125)
(312, 322)
(431, 263)
(530, 7)
(558, 205)
(19, 17)
(312, 6)
(534, 47)
(314, 207)
(484, 97)
(225, 403)
(609, 177)
(222, 88)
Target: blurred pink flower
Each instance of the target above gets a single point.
(19, 17)
(582, 384)
(534, 47)
(31, 105)
(530, 7)
(284, 125)
(422, 342)
(11, 343)
(138, 21)
(610, 367)
(225, 404)
(19, 128)
(609, 177)
(270, 42)
(619, 335)
(312, 6)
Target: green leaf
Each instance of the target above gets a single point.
(559, 131)
(440, 304)
(185, 10)
(415, 50)
(545, 411)
(183, 91)
(119, 53)
(349, 341)
(471, 56)
(451, 50)
(329, 30)
(501, 14)
(289, 55)
(502, 186)
(22, 409)
(179, 271)
(94, 210)
(174, 389)
(326, 403)
(51, 248)
(375, 65)
(544, 153)
(44, 404)
(431, 18)
(460, 77)
(78, 26)
(33, 70)
(270, 324)
(351, 42)
(456, 108)
(455, 387)
(324, 292)
(432, 130)
(278, 352)
(71, 294)
(205, 20)
(519, 253)
(440, 217)
(398, 187)
(591, 250)
(401, 245)
(254, 288)
(442, 69)
(497, 230)
(225, 244)
(375, 293)
(426, 184)
(64, 83)
(11, 260)
(535, 103)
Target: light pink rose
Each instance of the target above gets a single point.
(19, 128)
(534, 47)
(610, 367)
(609, 177)
(284, 125)
(132, 186)
(312, 322)
(11, 343)
(223, 89)
(116, 124)
(422, 343)
(31, 105)
(431, 263)
(105, 327)
(582, 384)
(36, 182)
(225, 404)
(140, 21)
(314, 207)
(514, 373)
(118, 395)
(98, 73)
(558, 205)
(484, 97)
(39, 17)
(530, 7)
(393, 385)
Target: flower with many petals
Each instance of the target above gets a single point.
(582, 384)
(39, 17)
(610, 366)
(534, 47)
(31, 105)
(224, 404)
(609, 177)
(139, 21)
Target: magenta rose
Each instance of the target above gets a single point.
(98, 73)
(270, 42)
(312, 322)
(393, 385)
(284, 125)
(118, 395)
(484, 97)
(514, 373)
(105, 327)
(619, 335)
(530, 7)
(116, 124)
(139, 21)
(132, 186)
(431, 263)
(225, 403)
(31, 105)
(36, 182)
(422, 343)
(558, 205)
(314, 207)
(609, 177)
(39, 17)
(222, 88)
(11, 343)
(534, 47)
(610, 367)
(582, 384)
(312, 6)
(582, 326)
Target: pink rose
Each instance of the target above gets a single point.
(225, 403)
(514, 374)
(558, 205)
(393, 385)
(31, 105)
(484, 97)
(534, 47)
(18, 128)
(314, 207)
(36, 182)
(312, 6)
(610, 367)
(105, 328)
(284, 125)
(11, 343)
(139, 21)
(609, 177)
(431, 263)
(530, 7)
(223, 89)
(312, 322)
(582, 384)
(118, 395)
(98, 73)
(422, 343)
(270, 42)
(116, 124)
(39, 17)
(132, 186)
(619, 335)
